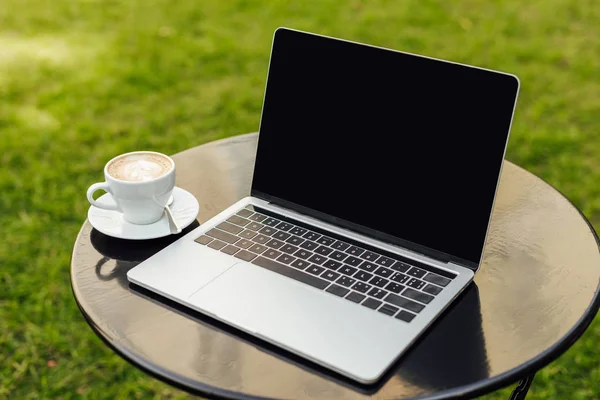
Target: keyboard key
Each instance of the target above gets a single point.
(254, 226)
(300, 264)
(346, 281)
(363, 276)
(431, 289)
(257, 217)
(308, 245)
(284, 226)
(384, 272)
(244, 243)
(245, 255)
(271, 222)
(317, 259)
(354, 261)
(270, 253)
(275, 244)
(378, 281)
(339, 245)
(438, 280)
(291, 272)
(230, 249)
(368, 266)
(247, 234)
(281, 235)
(356, 297)
(204, 239)
(415, 283)
(338, 255)
(303, 254)
(227, 227)
(400, 278)
(405, 316)
(376, 292)
(416, 272)
(286, 259)
(388, 310)
(330, 275)
(394, 287)
(298, 231)
(222, 235)
(322, 250)
(217, 244)
(355, 251)
(257, 248)
(369, 256)
(348, 270)
(295, 240)
(310, 235)
(337, 290)
(324, 240)
(405, 303)
(288, 248)
(260, 238)
(361, 287)
(418, 296)
(400, 266)
(237, 220)
(315, 269)
(334, 265)
(385, 261)
(371, 303)
(267, 230)
(245, 213)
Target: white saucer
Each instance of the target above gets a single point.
(185, 208)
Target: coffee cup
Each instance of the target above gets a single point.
(141, 184)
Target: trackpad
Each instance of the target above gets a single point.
(296, 316)
(253, 299)
(181, 269)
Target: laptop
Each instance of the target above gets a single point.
(374, 183)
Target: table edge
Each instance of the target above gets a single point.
(479, 388)
(547, 356)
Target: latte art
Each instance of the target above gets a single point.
(139, 167)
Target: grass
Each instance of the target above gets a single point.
(84, 80)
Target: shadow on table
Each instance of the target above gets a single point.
(127, 253)
(450, 354)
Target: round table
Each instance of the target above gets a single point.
(534, 295)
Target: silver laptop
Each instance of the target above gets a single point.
(373, 187)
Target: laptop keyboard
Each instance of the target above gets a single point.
(326, 262)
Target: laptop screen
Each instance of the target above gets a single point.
(403, 147)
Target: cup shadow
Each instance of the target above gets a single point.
(128, 253)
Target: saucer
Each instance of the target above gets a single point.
(185, 208)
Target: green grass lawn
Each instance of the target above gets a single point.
(84, 80)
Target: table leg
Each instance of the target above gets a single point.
(522, 388)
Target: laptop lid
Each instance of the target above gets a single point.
(404, 148)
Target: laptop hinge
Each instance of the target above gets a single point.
(473, 267)
(284, 207)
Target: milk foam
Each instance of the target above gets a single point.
(139, 167)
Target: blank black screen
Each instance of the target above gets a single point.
(404, 145)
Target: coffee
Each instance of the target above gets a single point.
(139, 167)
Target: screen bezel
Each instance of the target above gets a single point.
(361, 229)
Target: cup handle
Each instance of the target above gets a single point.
(103, 186)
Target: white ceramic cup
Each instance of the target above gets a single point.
(141, 202)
